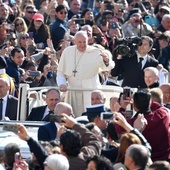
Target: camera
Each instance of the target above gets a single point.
(10, 127)
(128, 46)
(109, 7)
(34, 73)
(106, 116)
(126, 93)
(98, 39)
(17, 157)
(80, 21)
(55, 118)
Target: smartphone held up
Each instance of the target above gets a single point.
(106, 116)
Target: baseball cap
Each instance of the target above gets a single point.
(38, 17)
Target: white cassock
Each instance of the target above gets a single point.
(86, 64)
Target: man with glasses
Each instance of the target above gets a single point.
(30, 10)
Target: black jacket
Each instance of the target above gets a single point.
(133, 75)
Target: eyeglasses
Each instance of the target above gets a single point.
(24, 38)
(31, 12)
(19, 24)
(61, 12)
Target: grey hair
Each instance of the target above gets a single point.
(153, 70)
(57, 162)
(84, 33)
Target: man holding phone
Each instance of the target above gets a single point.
(53, 129)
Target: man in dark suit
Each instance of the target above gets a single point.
(53, 130)
(132, 67)
(41, 113)
(8, 103)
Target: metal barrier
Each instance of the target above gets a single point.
(26, 103)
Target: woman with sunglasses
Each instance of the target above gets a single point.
(40, 31)
(58, 28)
(20, 25)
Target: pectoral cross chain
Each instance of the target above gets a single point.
(74, 72)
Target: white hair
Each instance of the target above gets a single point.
(57, 162)
(100, 92)
(84, 33)
(166, 16)
(153, 70)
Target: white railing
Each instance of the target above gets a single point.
(26, 102)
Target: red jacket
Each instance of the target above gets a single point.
(157, 132)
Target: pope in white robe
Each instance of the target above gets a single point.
(78, 68)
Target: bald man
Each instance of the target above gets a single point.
(166, 94)
(49, 131)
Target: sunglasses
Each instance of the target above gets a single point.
(63, 12)
(19, 24)
(24, 38)
(31, 12)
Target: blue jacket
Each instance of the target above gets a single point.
(47, 132)
(13, 71)
(57, 30)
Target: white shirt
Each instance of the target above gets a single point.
(2, 71)
(46, 112)
(144, 59)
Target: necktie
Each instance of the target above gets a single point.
(1, 108)
(48, 116)
(140, 63)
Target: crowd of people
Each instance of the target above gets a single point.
(77, 44)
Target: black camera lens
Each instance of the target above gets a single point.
(123, 50)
